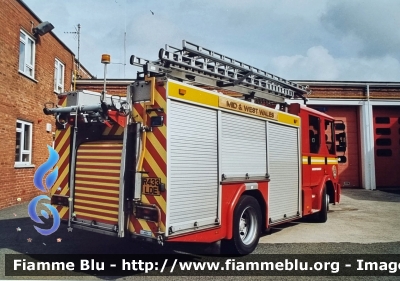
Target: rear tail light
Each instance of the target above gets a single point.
(146, 213)
(60, 200)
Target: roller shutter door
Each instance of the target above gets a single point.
(243, 146)
(387, 146)
(283, 167)
(192, 166)
(97, 182)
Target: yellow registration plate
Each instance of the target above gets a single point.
(151, 186)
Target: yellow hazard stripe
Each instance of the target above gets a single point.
(61, 177)
(103, 157)
(96, 190)
(107, 131)
(78, 194)
(96, 216)
(332, 161)
(96, 170)
(96, 203)
(192, 94)
(208, 98)
(61, 142)
(144, 225)
(149, 155)
(96, 210)
(96, 144)
(98, 164)
(82, 175)
(119, 131)
(63, 211)
(89, 182)
(319, 160)
(101, 151)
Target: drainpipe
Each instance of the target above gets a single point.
(371, 142)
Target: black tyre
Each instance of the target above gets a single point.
(246, 227)
(322, 216)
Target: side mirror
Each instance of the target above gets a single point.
(340, 126)
(342, 159)
(341, 138)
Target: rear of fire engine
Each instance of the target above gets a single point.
(194, 153)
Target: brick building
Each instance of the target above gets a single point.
(33, 67)
(371, 112)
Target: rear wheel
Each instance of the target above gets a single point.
(322, 216)
(246, 227)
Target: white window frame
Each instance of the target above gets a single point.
(22, 150)
(27, 67)
(59, 81)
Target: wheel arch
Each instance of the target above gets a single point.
(247, 226)
(263, 206)
(231, 198)
(318, 191)
(330, 190)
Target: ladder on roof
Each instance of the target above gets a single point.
(202, 66)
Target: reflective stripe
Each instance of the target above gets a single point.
(317, 160)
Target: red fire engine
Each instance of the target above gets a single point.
(195, 152)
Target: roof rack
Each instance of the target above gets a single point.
(203, 67)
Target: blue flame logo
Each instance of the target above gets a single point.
(44, 168)
(32, 213)
(38, 182)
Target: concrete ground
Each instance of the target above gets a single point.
(362, 216)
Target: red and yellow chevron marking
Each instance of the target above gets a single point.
(97, 181)
(85, 206)
(153, 158)
(115, 130)
(63, 148)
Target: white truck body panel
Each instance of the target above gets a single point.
(283, 167)
(205, 143)
(192, 166)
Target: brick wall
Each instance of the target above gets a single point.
(337, 92)
(115, 87)
(23, 98)
(350, 92)
(112, 89)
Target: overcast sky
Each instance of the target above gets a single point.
(347, 40)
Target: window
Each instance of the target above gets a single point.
(26, 54)
(23, 145)
(383, 131)
(58, 77)
(382, 120)
(384, 142)
(330, 145)
(383, 152)
(314, 131)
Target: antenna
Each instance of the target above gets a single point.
(124, 58)
(77, 33)
(125, 42)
